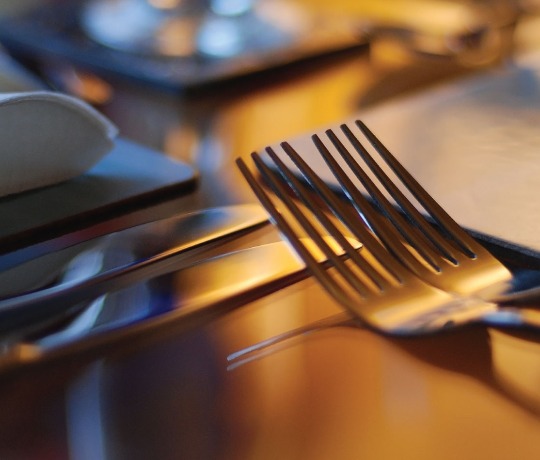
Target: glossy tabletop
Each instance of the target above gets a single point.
(323, 387)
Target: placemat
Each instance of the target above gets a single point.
(52, 31)
(129, 177)
(474, 145)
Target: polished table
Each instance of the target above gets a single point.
(336, 391)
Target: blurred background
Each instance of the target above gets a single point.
(207, 81)
(182, 44)
(234, 68)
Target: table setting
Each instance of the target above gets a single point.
(209, 264)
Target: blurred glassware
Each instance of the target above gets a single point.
(472, 32)
(187, 44)
(178, 45)
(181, 28)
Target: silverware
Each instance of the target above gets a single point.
(374, 285)
(115, 261)
(444, 254)
(169, 304)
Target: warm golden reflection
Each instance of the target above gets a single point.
(248, 124)
(343, 392)
(516, 365)
(331, 392)
(176, 37)
(165, 4)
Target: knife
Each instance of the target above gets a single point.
(94, 267)
(194, 296)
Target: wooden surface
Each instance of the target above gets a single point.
(339, 392)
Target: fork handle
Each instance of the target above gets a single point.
(525, 297)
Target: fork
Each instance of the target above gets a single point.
(430, 243)
(372, 284)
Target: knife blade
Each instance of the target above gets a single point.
(196, 295)
(114, 261)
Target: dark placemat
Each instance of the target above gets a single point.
(52, 31)
(129, 177)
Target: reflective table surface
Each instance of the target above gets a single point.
(284, 376)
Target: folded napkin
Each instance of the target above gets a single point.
(474, 145)
(47, 138)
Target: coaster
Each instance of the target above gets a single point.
(131, 176)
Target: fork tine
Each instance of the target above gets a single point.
(387, 233)
(350, 220)
(276, 216)
(464, 241)
(410, 233)
(293, 238)
(392, 270)
(308, 200)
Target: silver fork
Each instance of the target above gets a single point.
(372, 284)
(430, 243)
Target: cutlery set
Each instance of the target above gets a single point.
(138, 313)
(131, 305)
(87, 270)
(381, 246)
(123, 258)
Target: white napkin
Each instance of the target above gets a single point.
(474, 145)
(47, 138)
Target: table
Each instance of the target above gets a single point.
(340, 392)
